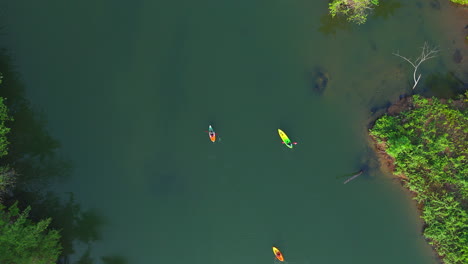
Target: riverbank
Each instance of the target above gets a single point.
(423, 142)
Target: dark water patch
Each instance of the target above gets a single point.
(386, 9)
(33, 154)
(443, 85)
(319, 79)
(165, 181)
(331, 25)
(32, 150)
(84, 259)
(114, 260)
(87, 259)
(457, 56)
(435, 4)
(373, 45)
(404, 95)
(380, 107)
(173, 98)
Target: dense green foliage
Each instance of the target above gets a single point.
(430, 146)
(25, 242)
(355, 10)
(3, 129)
(5, 172)
(461, 2)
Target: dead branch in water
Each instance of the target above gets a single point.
(425, 55)
(353, 177)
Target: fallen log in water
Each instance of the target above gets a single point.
(353, 177)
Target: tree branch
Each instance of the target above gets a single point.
(426, 54)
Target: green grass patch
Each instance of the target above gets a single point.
(429, 145)
(460, 2)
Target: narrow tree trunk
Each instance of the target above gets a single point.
(353, 177)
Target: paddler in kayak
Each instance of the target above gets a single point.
(212, 134)
(285, 139)
(278, 254)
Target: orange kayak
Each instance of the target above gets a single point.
(212, 134)
(278, 254)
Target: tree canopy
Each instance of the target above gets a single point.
(3, 129)
(354, 10)
(25, 242)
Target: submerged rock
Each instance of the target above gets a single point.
(320, 79)
(457, 57)
(435, 4)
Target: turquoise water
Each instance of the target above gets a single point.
(129, 89)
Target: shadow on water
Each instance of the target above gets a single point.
(74, 223)
(443, 85)
(167, 181)
(114, 260)
(379, 107)
(87, 259)
(32, 151)
(318, 79)
(164, 183)
(385, 9)
(33, 155)
(330, 25)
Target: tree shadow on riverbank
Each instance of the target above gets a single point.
(33, 154)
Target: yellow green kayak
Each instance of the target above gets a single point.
(285, 139)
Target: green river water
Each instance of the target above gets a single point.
(128, 89)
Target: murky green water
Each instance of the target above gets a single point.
(128, 89)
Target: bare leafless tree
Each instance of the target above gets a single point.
(427, 53)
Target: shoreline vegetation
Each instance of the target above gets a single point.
(424, 142)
